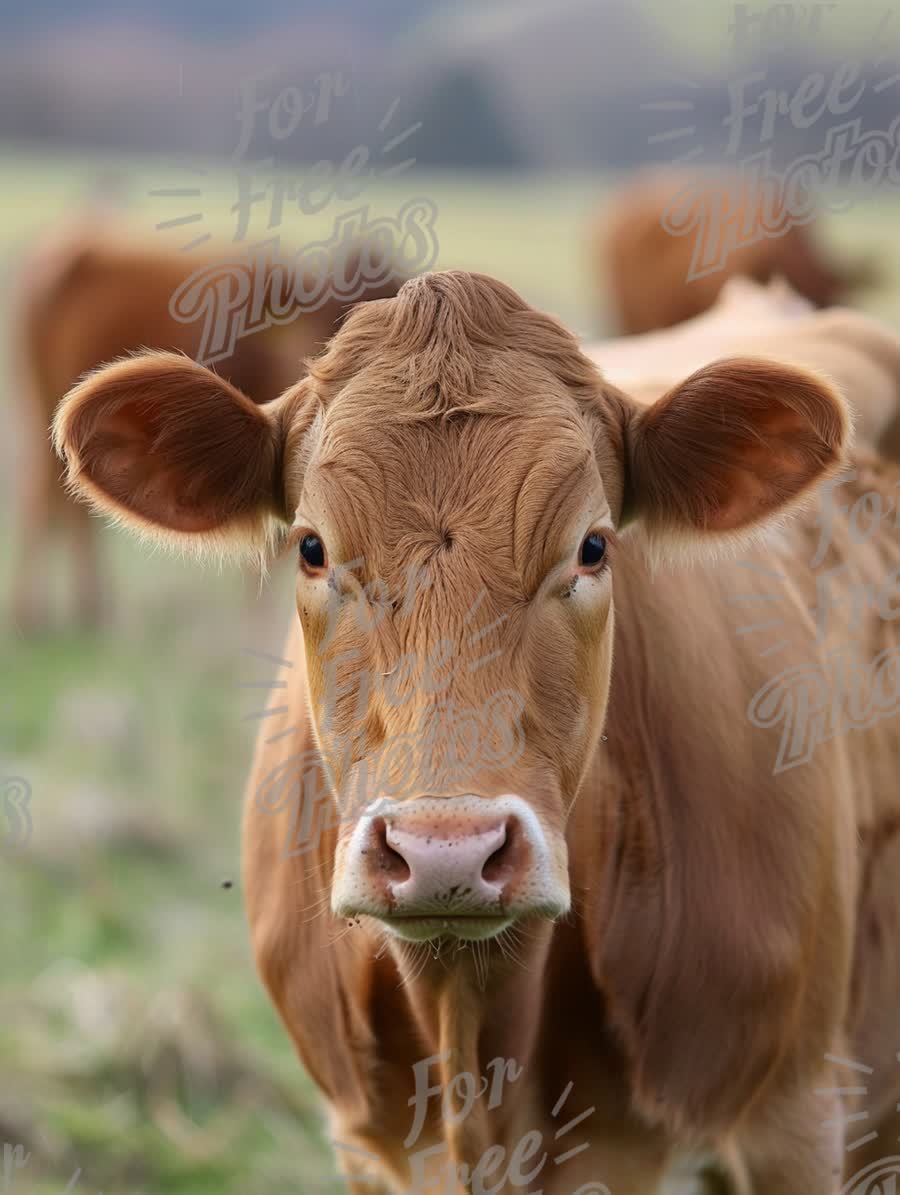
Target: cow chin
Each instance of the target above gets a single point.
(463, 867)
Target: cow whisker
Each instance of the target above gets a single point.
(511, 946)
(310, 871)
(346, 930)
(479, 953)
(420, 957)
(323, 910)
(320, 904)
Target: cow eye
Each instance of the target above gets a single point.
(312, 552)
(593, 551)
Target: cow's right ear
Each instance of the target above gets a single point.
(171, 449)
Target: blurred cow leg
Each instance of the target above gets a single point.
(32, 532)
(87, 608)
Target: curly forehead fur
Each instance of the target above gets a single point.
(455, 341)
(410, 373)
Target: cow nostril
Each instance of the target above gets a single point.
(387, 858)
(501, 864)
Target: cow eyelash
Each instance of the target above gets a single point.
(290, 541)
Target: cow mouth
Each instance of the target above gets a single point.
(431, 927)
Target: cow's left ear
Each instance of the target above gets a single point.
(738, 442)
(171, 449)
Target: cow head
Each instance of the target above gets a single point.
(457, 480)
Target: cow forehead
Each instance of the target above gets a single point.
(451, 445)
(490, 482)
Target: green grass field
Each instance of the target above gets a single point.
(136, 1042)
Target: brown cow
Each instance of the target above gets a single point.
(662, 249)
(90, 293)
(858, 353)
(615, 866)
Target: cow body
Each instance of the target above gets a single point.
(655, 935)
(673, 238)
(687, 853)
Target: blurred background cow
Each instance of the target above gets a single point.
(91, 292)
(646, 254)
(509, 138)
